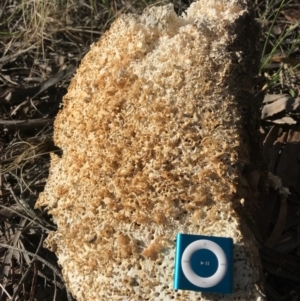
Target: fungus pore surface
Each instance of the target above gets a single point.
(154, 143)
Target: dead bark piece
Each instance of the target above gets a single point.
(280, 223)
(284, 158)
(156, 142)
(271, 137)
(284, 120)
(267, 203)
(279, 103)
(289, 265)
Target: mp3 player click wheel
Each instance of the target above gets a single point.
(204, 263)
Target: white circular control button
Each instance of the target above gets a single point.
(188, 269)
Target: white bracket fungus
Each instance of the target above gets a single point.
(154, 143)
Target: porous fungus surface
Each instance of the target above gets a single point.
(153, 144)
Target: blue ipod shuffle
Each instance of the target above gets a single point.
(204, 263)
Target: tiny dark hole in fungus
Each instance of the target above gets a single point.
(244, 109)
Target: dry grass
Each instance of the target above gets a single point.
(39, 40)
(280, 62)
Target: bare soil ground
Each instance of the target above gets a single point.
(41, 45)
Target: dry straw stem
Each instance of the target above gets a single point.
(35, 257)
(36, 24)
(156, 141)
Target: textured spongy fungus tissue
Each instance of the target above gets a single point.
(154, 143)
